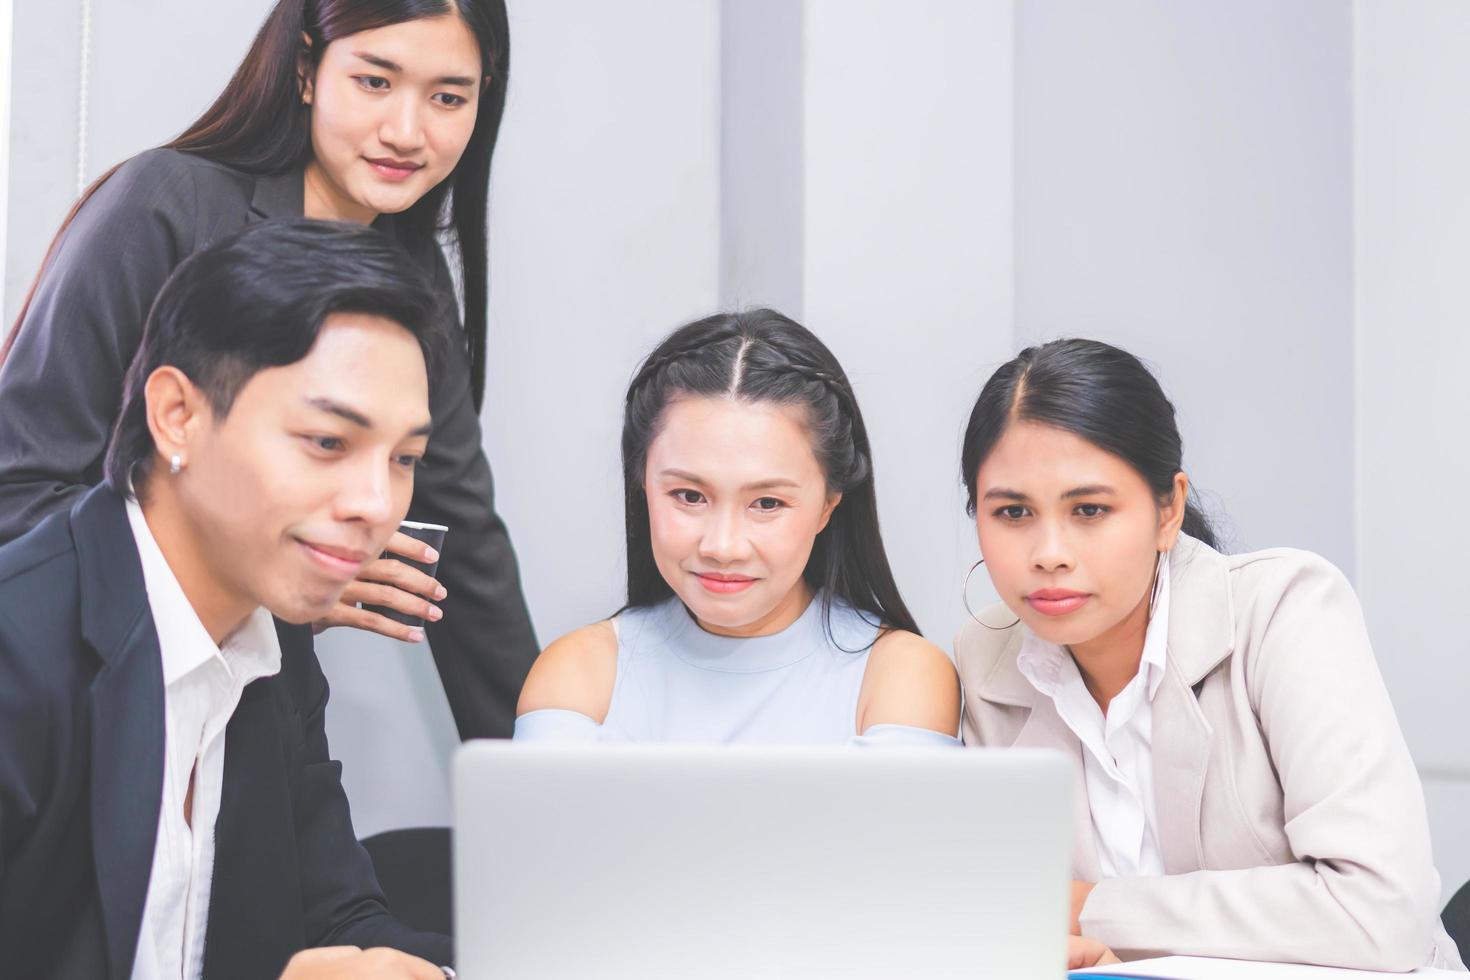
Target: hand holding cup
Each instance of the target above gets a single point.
(397, 591)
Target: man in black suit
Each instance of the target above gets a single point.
(168, 806)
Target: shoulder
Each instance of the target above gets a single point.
(38, 594)
(983, 646)
(909, 681)
(211, 176)
(160, 196)
(1288, 617)
(41, 653)
(575, 673)
(1278, 572)
(160, 178)
(37, 558)
(1288, 593)
(902, 652)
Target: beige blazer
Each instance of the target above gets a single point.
(1290, 815)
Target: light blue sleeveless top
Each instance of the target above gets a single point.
(677, 682)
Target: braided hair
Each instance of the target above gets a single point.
(762, 356)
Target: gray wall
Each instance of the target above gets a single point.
(1267, 201)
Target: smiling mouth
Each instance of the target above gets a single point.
(338, 563)
(722, 584)
(391, 169)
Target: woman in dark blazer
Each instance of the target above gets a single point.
(384, 113)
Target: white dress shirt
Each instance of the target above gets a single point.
(1117, 760)
(202, 686)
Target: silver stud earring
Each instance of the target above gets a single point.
(965, 598)
(175, 464)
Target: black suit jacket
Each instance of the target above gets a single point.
(81, 779)
(61, 389)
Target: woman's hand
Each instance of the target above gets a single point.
(351, 963)
(1083, 952)
(1080, 891)
(389, 582)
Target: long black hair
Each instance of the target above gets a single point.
(1093, 390)
(259, 299)
(762, 356)
(260, 125)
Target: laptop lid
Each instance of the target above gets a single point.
(758, 862)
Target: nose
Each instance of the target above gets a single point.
(367, 493)
(724, 541)
(1051, 550)
(402, 128)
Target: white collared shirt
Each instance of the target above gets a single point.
(1117, 760)
(202, 686)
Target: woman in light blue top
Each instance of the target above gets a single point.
(761, 607)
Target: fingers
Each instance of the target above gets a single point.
(343, 614)
(1083, 952)
(377, 594)
(402, 544)
(391, 571)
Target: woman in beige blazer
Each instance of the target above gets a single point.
(1243, 789)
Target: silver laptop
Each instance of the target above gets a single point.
(711, 862)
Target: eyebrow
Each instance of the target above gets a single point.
(758, 485)
(1091, 490)
(383, 63)
(357, 418)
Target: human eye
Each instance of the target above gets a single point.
(768, 505)
(1091, 512)
(1011, 512)
(449, 100)
(408, 461)
(689, 497)
(371, 83)
(325, 445)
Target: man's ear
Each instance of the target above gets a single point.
(179, 415)
(305, 77)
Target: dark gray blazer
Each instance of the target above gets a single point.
(61, 389)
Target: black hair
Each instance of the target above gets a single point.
(762, 356)
(260, 125)
(1093, 390)
(258, 299)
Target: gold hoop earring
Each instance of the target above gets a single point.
(965, 598)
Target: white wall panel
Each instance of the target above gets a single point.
(1413, 400)
(907, 246)
(1183, 189)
